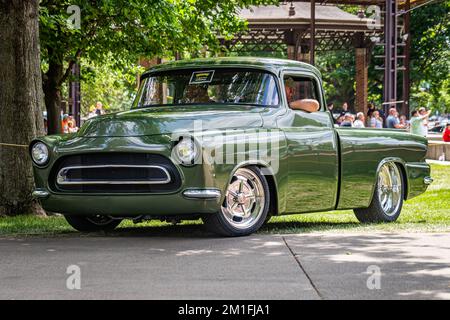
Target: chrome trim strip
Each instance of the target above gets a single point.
(61, 178)
(40, 194)
(418, 165)
(428, 180)
(206, 194)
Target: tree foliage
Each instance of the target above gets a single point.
(113, 86)
(430, 56)
(430, 62)
(338, 72)
(128, 29)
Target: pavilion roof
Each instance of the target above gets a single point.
(278, 16)
(400, 3)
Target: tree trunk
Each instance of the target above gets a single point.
(52, 93)
(20, 102)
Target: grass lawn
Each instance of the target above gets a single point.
(429, 212)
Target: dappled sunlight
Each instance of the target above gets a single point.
(193, 252)
(418, 262)
(269, 244)
(425, 294)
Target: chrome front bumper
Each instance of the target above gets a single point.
(202, 194)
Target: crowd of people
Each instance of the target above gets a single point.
(69, 124)
(344, 117)
(375, 118)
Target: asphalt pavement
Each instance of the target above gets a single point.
(140, 265)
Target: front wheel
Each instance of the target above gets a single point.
(92, 223)
(245, 207)
(387, 200)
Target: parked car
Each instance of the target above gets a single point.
(161, 159)
(436, 131)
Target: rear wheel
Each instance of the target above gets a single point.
(92, 223)
(387, 200)
(245, 207)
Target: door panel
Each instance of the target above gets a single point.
(312, 161)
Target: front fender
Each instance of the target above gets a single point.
(224, 152)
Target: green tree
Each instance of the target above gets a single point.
(113, 85)
(430, 43)
(127, 29)
(430, 62)
(338, 72)
(430, 56)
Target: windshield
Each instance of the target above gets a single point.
(209, 86)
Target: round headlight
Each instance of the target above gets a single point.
(185, 151)
(39, 153)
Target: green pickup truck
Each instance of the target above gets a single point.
(232, 141)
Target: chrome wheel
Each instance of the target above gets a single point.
(244, 200)
(389, 188)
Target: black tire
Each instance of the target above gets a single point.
(218, 223)
(92, 223)
(375, 213)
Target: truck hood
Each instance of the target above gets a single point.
(164, 120)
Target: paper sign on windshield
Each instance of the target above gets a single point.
(199, 77)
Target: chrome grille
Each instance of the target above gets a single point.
(114, 172)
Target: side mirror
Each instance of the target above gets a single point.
(309, 105)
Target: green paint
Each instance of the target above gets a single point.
(320, 168)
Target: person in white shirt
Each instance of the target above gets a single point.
(417, 125)
(424, 115)
(359, 122)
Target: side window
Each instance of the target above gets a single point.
(300, 90)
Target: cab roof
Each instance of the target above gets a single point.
(271, 64)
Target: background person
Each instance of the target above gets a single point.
(71, 124)
(308, 105)
(360, 120)
(348, 120)
(91, 112)
(392, 121)
(331, 107)
(376, 121)
(370, 109)
(416, 123)
(403, 121)
(426, 114)
(446, 134)
(99, 108)
(65, 124)
(344, 109)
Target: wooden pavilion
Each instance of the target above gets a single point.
(307, 27)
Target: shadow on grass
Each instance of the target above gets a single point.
(182, 231)
(303, 227)
(199, 231)
(186, 230)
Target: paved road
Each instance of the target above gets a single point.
(191, 266)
